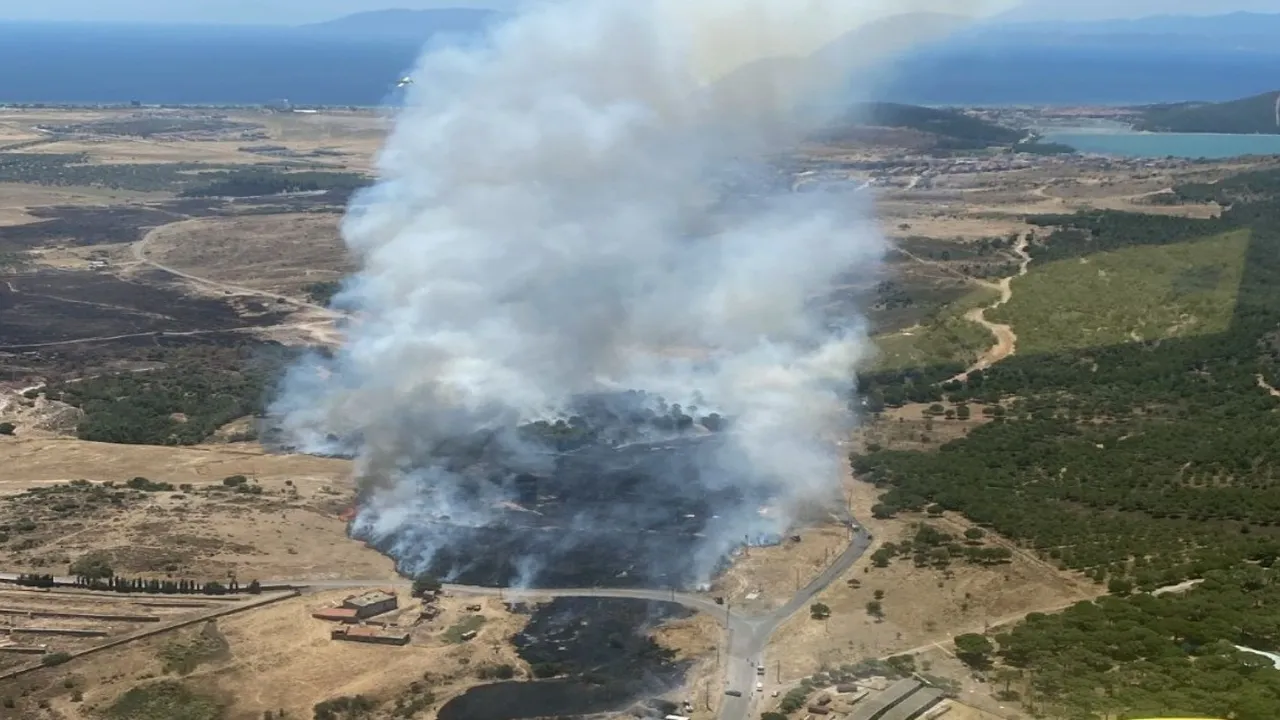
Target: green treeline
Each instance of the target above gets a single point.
(251, 182)
(151, 586)
(1242, 188)
(1143, 464)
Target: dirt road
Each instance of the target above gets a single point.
(141, 255)
(1006, 339)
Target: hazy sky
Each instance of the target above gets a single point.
(301, 11)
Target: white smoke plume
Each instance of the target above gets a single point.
(582, 204)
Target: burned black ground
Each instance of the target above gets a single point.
(60, 363)
(80, 225)
(51, 306)
(595, 655)
(644, 514)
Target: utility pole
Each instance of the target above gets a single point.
(778, 668)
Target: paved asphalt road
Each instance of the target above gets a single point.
(748, 635)
(747, 644)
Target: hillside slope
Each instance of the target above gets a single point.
(941, 128)
(1256, 114)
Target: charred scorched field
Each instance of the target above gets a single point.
(52, 306)
(594, 656)
(641, 515)
(628, 500)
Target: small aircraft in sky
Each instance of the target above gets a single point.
(404, 82)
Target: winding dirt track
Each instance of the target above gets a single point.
(1006, 339)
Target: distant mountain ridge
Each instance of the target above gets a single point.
(1257, 114)
(1241, 31)
(400, 23)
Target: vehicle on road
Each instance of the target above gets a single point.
(734, 693)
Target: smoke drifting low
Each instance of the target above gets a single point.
(575, 209)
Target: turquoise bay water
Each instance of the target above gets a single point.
(1157, 145)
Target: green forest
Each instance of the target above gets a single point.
(1256, 114)
(183, 403)
(955, 129)
(1142, 463)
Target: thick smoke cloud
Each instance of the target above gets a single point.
(581, 205)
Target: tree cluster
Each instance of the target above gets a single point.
(182, 404)
(153, 586)
(344, 708)
(258, 181)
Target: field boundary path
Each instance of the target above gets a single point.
(259, 601)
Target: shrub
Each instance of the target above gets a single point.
(93, 566)
(53, 659)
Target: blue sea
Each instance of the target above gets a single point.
(234, 65)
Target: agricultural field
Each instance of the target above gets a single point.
(45, 626)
